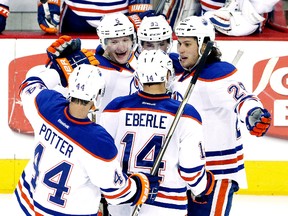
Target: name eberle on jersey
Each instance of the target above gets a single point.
(145, 120)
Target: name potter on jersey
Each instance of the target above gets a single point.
(60, 143)
(145, 120)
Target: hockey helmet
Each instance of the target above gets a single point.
(115, 25)
(195, 26)
(155, 28)
(87, 83)
(153, 67)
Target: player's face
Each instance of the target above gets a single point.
(187, 48)
(149, 45)
(119, 49)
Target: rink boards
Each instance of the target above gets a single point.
(263, 68)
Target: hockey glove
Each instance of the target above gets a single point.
(49, 15)
(65, 65)
(138, 6)
(136, 19)
(203, 197)
(63, 46)
(258, 121)
(4, 13)
(147, 188)
(154, 186)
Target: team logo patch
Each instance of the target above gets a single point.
(270, 82)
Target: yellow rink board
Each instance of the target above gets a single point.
(264, 177)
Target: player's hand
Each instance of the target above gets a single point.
(63, 46)
(203, 197)
(147, 188)
(66, 64)
(136, 18)
(154, 182)
(49, 15)
(4, 13)
(258, 121)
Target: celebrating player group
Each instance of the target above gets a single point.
(134, 129)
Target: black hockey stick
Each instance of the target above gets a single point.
(199, 68)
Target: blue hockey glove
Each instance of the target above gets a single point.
(4, 13)
(145, 193)
(258, 121)
(203, 197)
(49, 15)
(154, 186)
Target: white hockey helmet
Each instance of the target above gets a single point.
(115, 25)
(153, 67)
(196, 26)
(87, 83)
(155, 28)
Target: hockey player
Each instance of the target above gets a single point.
(82, 16)
(237, 17)
(139, 124)
(230, 17)
(223, 103)
(117, 42)
(74, 160)
(154, 32)
(4, 13)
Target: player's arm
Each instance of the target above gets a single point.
(136, 191)
(65, 53)
(106, 173)
(192, 158)
(37, 79)
(234, 96)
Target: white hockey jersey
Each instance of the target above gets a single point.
(139, 124)
(74, 161)
(222, 103)
(119, 80)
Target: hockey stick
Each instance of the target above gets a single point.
(199, 68)
(160, 6)
(237, 57)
